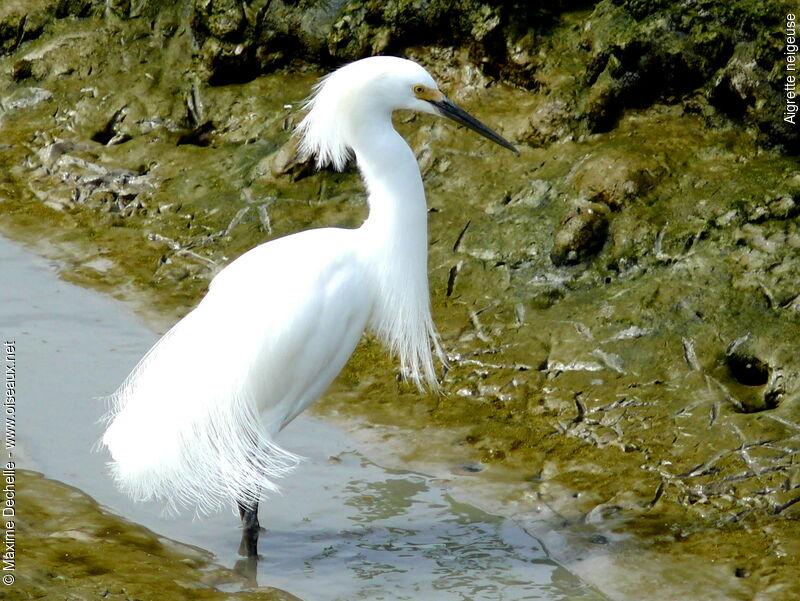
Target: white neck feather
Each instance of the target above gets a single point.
(395, 242)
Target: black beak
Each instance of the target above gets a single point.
(447, 108)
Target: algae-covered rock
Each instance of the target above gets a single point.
(615, 176)
(729, 50)
(580, 236)
(22, 20)
(69, 547)
(260, 36)
(628, 54)
(746, 89)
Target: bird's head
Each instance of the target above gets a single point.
(374, 87)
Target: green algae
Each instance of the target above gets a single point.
(601, 388)
(68, 546)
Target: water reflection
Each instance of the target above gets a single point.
(382, 534)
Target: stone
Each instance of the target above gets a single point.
(580, 236)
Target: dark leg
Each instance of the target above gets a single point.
(248, 511)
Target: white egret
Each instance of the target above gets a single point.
(193, 425)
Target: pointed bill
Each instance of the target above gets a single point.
(446, 108)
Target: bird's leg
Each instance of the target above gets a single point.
(248, 511)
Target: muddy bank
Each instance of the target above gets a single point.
(69, 547)
(620, 305)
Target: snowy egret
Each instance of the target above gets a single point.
(194, 423)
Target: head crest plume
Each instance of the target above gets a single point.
(320, 130)
(338, 97)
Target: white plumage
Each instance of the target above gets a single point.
(194, 424)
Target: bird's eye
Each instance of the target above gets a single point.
(418, 89)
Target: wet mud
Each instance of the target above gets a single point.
(70, 547)
(620, 305)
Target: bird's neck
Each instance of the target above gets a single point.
(396, 230)
(395, 243)
(397, 207)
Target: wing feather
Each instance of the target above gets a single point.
(193, 424)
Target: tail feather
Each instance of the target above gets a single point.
(181, 433)
(212, 462)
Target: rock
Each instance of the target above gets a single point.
(743, 91)
(548, 122)
(223, 19)
(228, 34)
(288, 162)
(580, 236)
(601, 105)
(23, 98)
(22, 69)
(614, 177)
(25, 20)
(636, 53)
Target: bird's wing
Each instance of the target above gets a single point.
(194, 421)
(300, 319)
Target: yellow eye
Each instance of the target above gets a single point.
(419, 90)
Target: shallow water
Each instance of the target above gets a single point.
(345, 528)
